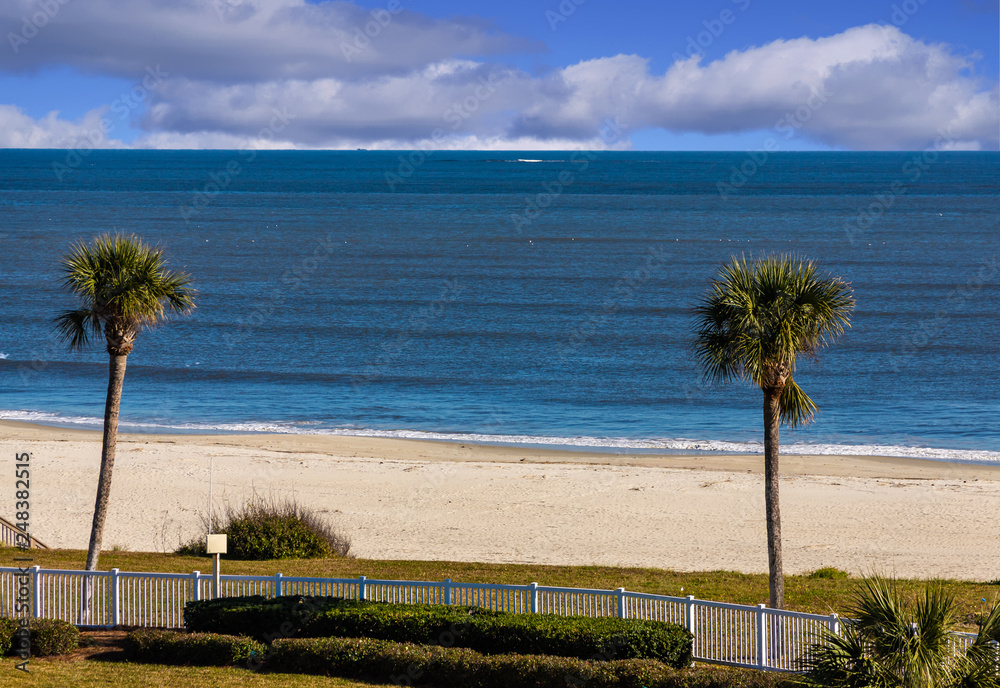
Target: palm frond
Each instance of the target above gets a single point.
(796, 406)
(978, 667)
(759, 316)
(122, 283)
(843, 661)
(78, 325)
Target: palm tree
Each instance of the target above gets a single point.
(123, 285)
(753, 323)
(893, 643)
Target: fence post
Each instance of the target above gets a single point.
(621, 602)
(689, 614)
(835, 624)
(195, 585)
(533, 594)
(115, 599)
(761, 637)
(36, 592)
(362, 588)
(447, 590)
(279, 585)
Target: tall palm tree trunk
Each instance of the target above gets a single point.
(772, 416)
(116, 378)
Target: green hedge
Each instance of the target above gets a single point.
(47, 637)
(257, 616)
(470, 627)
(197, 649)
(408, 664)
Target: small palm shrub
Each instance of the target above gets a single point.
(829, 573)
(264, 529)
(894, 642)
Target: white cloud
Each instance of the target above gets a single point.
(867, 88)
(231, 76)
(463, 98)
(232, 41)
(18, 130)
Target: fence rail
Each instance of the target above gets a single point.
(731, 634)
(12, 536)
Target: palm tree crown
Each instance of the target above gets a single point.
(124, 285)
(757, 318)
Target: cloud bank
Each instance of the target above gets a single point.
(339, 76)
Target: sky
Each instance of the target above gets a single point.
(514, 75)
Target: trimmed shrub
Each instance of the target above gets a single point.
(255, 615)
(476, 628)
(409, 664)
(47, 637)
(53, 637)
(264, 529)
(8, 627)
(197, 649)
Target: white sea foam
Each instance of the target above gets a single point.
(583, 442)
(4, 357)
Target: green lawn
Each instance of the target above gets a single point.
(57, 673)
(821, 596)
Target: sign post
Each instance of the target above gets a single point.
(215, 546)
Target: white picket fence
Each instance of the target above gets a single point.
(731, 634)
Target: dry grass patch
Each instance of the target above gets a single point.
(61, 673)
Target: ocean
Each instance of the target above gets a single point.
(511, 297)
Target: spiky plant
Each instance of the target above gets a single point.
(892, 642)
(755, 321)
(123, 285)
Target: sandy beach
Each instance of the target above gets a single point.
(407, 499)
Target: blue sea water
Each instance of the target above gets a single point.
(511, 297)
